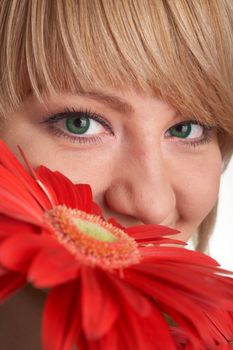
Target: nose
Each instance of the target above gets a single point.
(142, 188)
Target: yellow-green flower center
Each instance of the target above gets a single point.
(92, 240)
(97, 232)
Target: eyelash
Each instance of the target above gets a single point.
(51, 120)
(205, 139)
(68, 113)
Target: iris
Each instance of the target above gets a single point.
(181, 130)
(77, 125)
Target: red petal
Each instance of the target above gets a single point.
(86, 200)
(17, 251)
(61, 319)
(137, 312)
(224, 346)
(117, 224)
(147, 232)
(182, 308)
(186, 280)
(52, 266)
(14, 207)
(131, 296)
(109, 341)
(148, 333)
(143, 244)
(96, 210)
(11, 184)
(178, 254)
(9, 226)
(73, 196)
(10, 162)
(63, 187)
(99, 309)
(223, 322)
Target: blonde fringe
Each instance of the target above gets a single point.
(179, 50)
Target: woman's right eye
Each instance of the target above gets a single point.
(78, 125)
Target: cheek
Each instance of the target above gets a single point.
(79, 167)
(199, 190)
(92, 167)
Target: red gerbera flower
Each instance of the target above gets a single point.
(117, 288)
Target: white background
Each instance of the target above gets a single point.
(221, 243)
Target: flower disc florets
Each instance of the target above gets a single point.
(92, 240)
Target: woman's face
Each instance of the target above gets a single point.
(145, 162)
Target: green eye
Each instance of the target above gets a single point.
(77, 125)
(181, 130)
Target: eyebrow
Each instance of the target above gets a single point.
(114, 102)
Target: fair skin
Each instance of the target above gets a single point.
(139, 171)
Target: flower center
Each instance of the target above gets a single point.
(94, 231)
(92, 240)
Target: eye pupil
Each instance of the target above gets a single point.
(181, 130)
(77, 125)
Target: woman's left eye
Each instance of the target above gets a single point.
(186, 130)
(190, 133)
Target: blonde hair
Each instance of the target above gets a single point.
(180, 50)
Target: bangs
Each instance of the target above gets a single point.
(151, 46)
